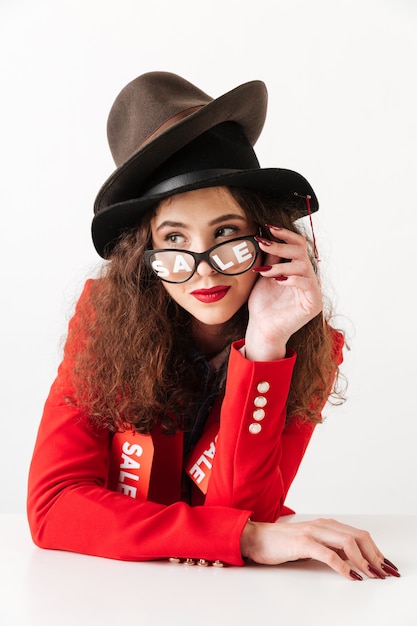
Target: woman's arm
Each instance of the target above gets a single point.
(70, 508)
(246, 470)
(257, 453)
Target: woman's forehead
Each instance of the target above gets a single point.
(205, 204)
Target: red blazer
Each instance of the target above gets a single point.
(74, 502)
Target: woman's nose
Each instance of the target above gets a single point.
(204, 269)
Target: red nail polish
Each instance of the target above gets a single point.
(281, 278)
(274, 227)
(375, 572)
(390, 570)
(355, 575)
(262, 268)
(390, 564)
(266, 242)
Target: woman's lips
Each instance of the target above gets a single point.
(214, 294)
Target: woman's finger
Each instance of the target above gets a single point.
(286, 251)
(357, 545)
(302, 268)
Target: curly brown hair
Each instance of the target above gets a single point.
(129, 351)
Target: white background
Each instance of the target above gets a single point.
(341, 77)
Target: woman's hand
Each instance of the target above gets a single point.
(343, 548)
(286, 296)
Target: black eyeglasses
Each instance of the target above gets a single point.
(231, 258)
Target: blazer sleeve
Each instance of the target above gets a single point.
(257, 453)
(246, 470)
(70, 508)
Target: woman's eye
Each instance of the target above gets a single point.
(226, 231)
(174, 238)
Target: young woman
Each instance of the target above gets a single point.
(197, 364)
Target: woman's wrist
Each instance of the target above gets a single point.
(261, 350)
(247, 540)
(265, 353)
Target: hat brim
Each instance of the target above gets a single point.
(112, 221)
(245, 105)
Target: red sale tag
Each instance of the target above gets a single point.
(131, 463)
(200, 460)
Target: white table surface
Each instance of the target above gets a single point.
(51, 588)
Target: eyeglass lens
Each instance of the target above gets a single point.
(231, 257)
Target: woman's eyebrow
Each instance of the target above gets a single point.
(217, 220)
(228, 216)
(170, 224)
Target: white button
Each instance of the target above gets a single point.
(254, 429)
(260, 401)
(258, 415)
(263, 387)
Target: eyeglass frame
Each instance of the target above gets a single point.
(202, 256)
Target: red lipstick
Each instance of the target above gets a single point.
(214, 294)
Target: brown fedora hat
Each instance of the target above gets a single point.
(167, 136)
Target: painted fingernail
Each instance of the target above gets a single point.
(262, 268)
(281, 278)
(390, 570)
(355, 575)
(266, 242)
(375, 572)
(390, 564)
(274, 227)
